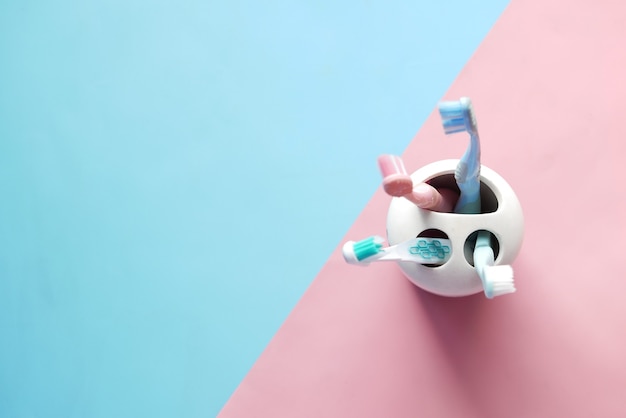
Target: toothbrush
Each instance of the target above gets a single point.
(458, 116)
(397, 183)
(421, 250)
(497, 280)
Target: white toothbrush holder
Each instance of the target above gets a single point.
(501, 215)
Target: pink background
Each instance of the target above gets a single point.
(549, 88)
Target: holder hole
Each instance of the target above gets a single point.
(488, 200)
(470, 243)
(433, 233)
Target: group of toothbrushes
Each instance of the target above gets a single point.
(457, 116)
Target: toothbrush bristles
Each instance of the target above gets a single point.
(452, 126)
(458, 116)
(452, 109)
(368, 247)
(500, 280)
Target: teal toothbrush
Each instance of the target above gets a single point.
(420, 250)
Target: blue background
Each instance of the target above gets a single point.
(173, 175)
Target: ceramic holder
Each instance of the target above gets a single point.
(501, 215)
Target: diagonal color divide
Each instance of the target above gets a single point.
(363, 342)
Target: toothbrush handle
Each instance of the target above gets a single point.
(421, 250)
(427, 197)
(469, 200)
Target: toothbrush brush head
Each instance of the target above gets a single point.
(458, 116)
(396, 181)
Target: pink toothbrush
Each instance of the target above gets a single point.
(398, 183)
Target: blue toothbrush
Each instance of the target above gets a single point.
(458, 116)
